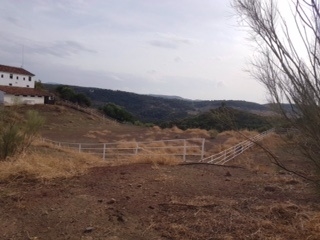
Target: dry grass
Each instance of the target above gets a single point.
(199, 133)
(241, 135)
(193, 219)
(156, 128)
(44, 161)
(175, 129)
(273, 140)
(156, 159)
(156, 144)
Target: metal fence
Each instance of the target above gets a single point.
(187, 149)
(234, 151)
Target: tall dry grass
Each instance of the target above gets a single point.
(155, 159)
(198, 133)
(241, 135)
(44, 161)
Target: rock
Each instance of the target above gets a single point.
(121, 218)
(139, 185)
(100, 201)
(270, 189)
(151, 207)
(88, 230)
(292, 182)
(111, 201)
(228, 174)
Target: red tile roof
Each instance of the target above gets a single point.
(24, 91)
(16, 70)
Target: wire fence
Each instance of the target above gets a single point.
(187, 149)
(234, 151)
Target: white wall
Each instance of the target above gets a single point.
(17, 80)
(13, 100)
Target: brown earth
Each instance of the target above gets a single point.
(252, 199)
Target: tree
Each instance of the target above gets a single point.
(288, 64)
(81, 99)
(69, 94)
(114, 111)
(38, 85)
(66, 93)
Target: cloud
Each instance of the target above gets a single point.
(152, 72)
(60, 48)
(116, 78)
(177, 59)
(175, 38)
(170, 41)
(12, 20)
(163, 44)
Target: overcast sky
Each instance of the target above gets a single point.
(188, 48)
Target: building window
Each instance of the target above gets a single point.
(2, 75)
(27, 85)
(17, 77)
(10, 84)
(24, 78)
(11, 75)
(30, 79)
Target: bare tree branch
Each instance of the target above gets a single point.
(289, 64)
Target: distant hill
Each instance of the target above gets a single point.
(168, 97)
(221, 119)
(154, 109)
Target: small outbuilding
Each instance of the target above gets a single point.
(18, 95)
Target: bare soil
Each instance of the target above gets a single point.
(252, 199)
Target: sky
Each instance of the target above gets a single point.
(188, 48)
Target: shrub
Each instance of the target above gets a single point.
(17, 135)
(114, 111)
(213, 133)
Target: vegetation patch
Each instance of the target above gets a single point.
(44, 161)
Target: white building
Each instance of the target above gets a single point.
(16, 77)
(17, 86)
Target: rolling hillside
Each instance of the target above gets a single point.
(158, 109)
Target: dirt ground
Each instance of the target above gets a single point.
(252, 199)
(146, 201)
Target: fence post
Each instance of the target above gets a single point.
(104, 152)
(184, 149)
(79, 147)
(202, 148)
(137, 148)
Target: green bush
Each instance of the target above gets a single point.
(114, 111)
(17, 135)
(67, 93)
(213, 133)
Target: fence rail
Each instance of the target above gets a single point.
(88, 110)
(187, 149)
(234, 151)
